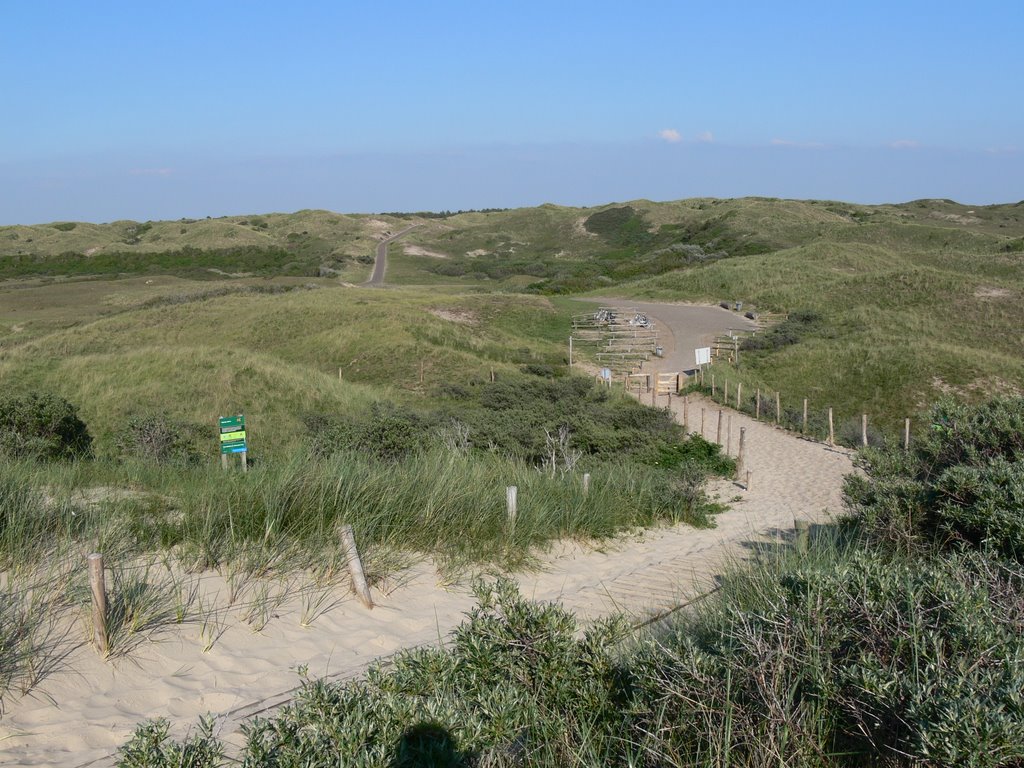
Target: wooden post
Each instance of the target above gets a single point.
(702, 377)
(725, 392)
(511, 505)
(778, 406)
(864, 429)
(245, 460)
(492, 374)
(728, 435)
(421, 372)
(654, 388)
(803, 534)
(686, 414)
(339, 374)
(570, 352)
(803, 429)
(702, 422)
(831, 429)
(757, 404)
(223, 461)
(748, 480)
(739, 396)
(712, 386)
(906, 435)
(736, 351)
(355, 566)
(718, 436)
(739, 456)
(99, 603)
(586, 483)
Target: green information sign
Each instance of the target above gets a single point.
(232, 434)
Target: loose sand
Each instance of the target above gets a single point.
(80, 717)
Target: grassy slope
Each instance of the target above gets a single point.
(917, 297)
(276, 357)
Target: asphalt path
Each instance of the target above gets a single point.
(380, 264)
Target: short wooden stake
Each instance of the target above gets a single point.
(906, 435)
(99, 603)
(245, 460)
(831, 429)
(725, 392)
(803, 534)
(718, 436)
(223, 461)
(740, 456)
(512, 504)
(778, 406)
(339, 374)
(728, 435)
(586, 483)
(492, 375)
(757, 404)
(686, 414)
(654, 388)
(739, 396)
(712, 386)
(803, 429)
(864, 429)
(570, 351)
(702, 377)
(355, 566)
(736, 351)
(421, 371)
(748, 480)
(702, 422)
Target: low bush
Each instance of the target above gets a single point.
(961, 485)
(159, 439)
(42, 426)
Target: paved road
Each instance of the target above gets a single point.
(380, 265)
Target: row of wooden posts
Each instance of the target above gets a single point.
(97, 585)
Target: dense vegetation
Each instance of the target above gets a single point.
(894, 641)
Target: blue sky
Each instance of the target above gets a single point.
(163, 110)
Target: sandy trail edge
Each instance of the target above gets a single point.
(246, 673)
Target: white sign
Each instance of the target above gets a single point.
(703, 355)
(606, 374)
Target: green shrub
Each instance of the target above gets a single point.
(42, 426)
(962, 484)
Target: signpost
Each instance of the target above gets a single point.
(233, 439)
(702, 355)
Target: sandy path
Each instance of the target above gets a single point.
(245, 673)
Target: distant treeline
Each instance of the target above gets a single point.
(438, 214)
(193, 261)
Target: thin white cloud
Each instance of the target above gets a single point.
(151, 171)
(671, 135)
(706, 137)
(904, 144)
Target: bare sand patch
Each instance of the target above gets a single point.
(991, 292)
(416, 250)
(460, 316)
(478, 252)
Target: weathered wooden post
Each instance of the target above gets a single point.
(512, 505)
(748, 480)
(864, 429)
(728, 435)
(98, 587)
(740, 454)
(803, 534)
(831, 429)
(586, 483)
(355, 566)
(739, 396)
(803, 429)
(712, 386)
(718, 435)
(702, 422)
(339, 374)
(757, 404)
(778, 407)
(570, 352)
(906, 435)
